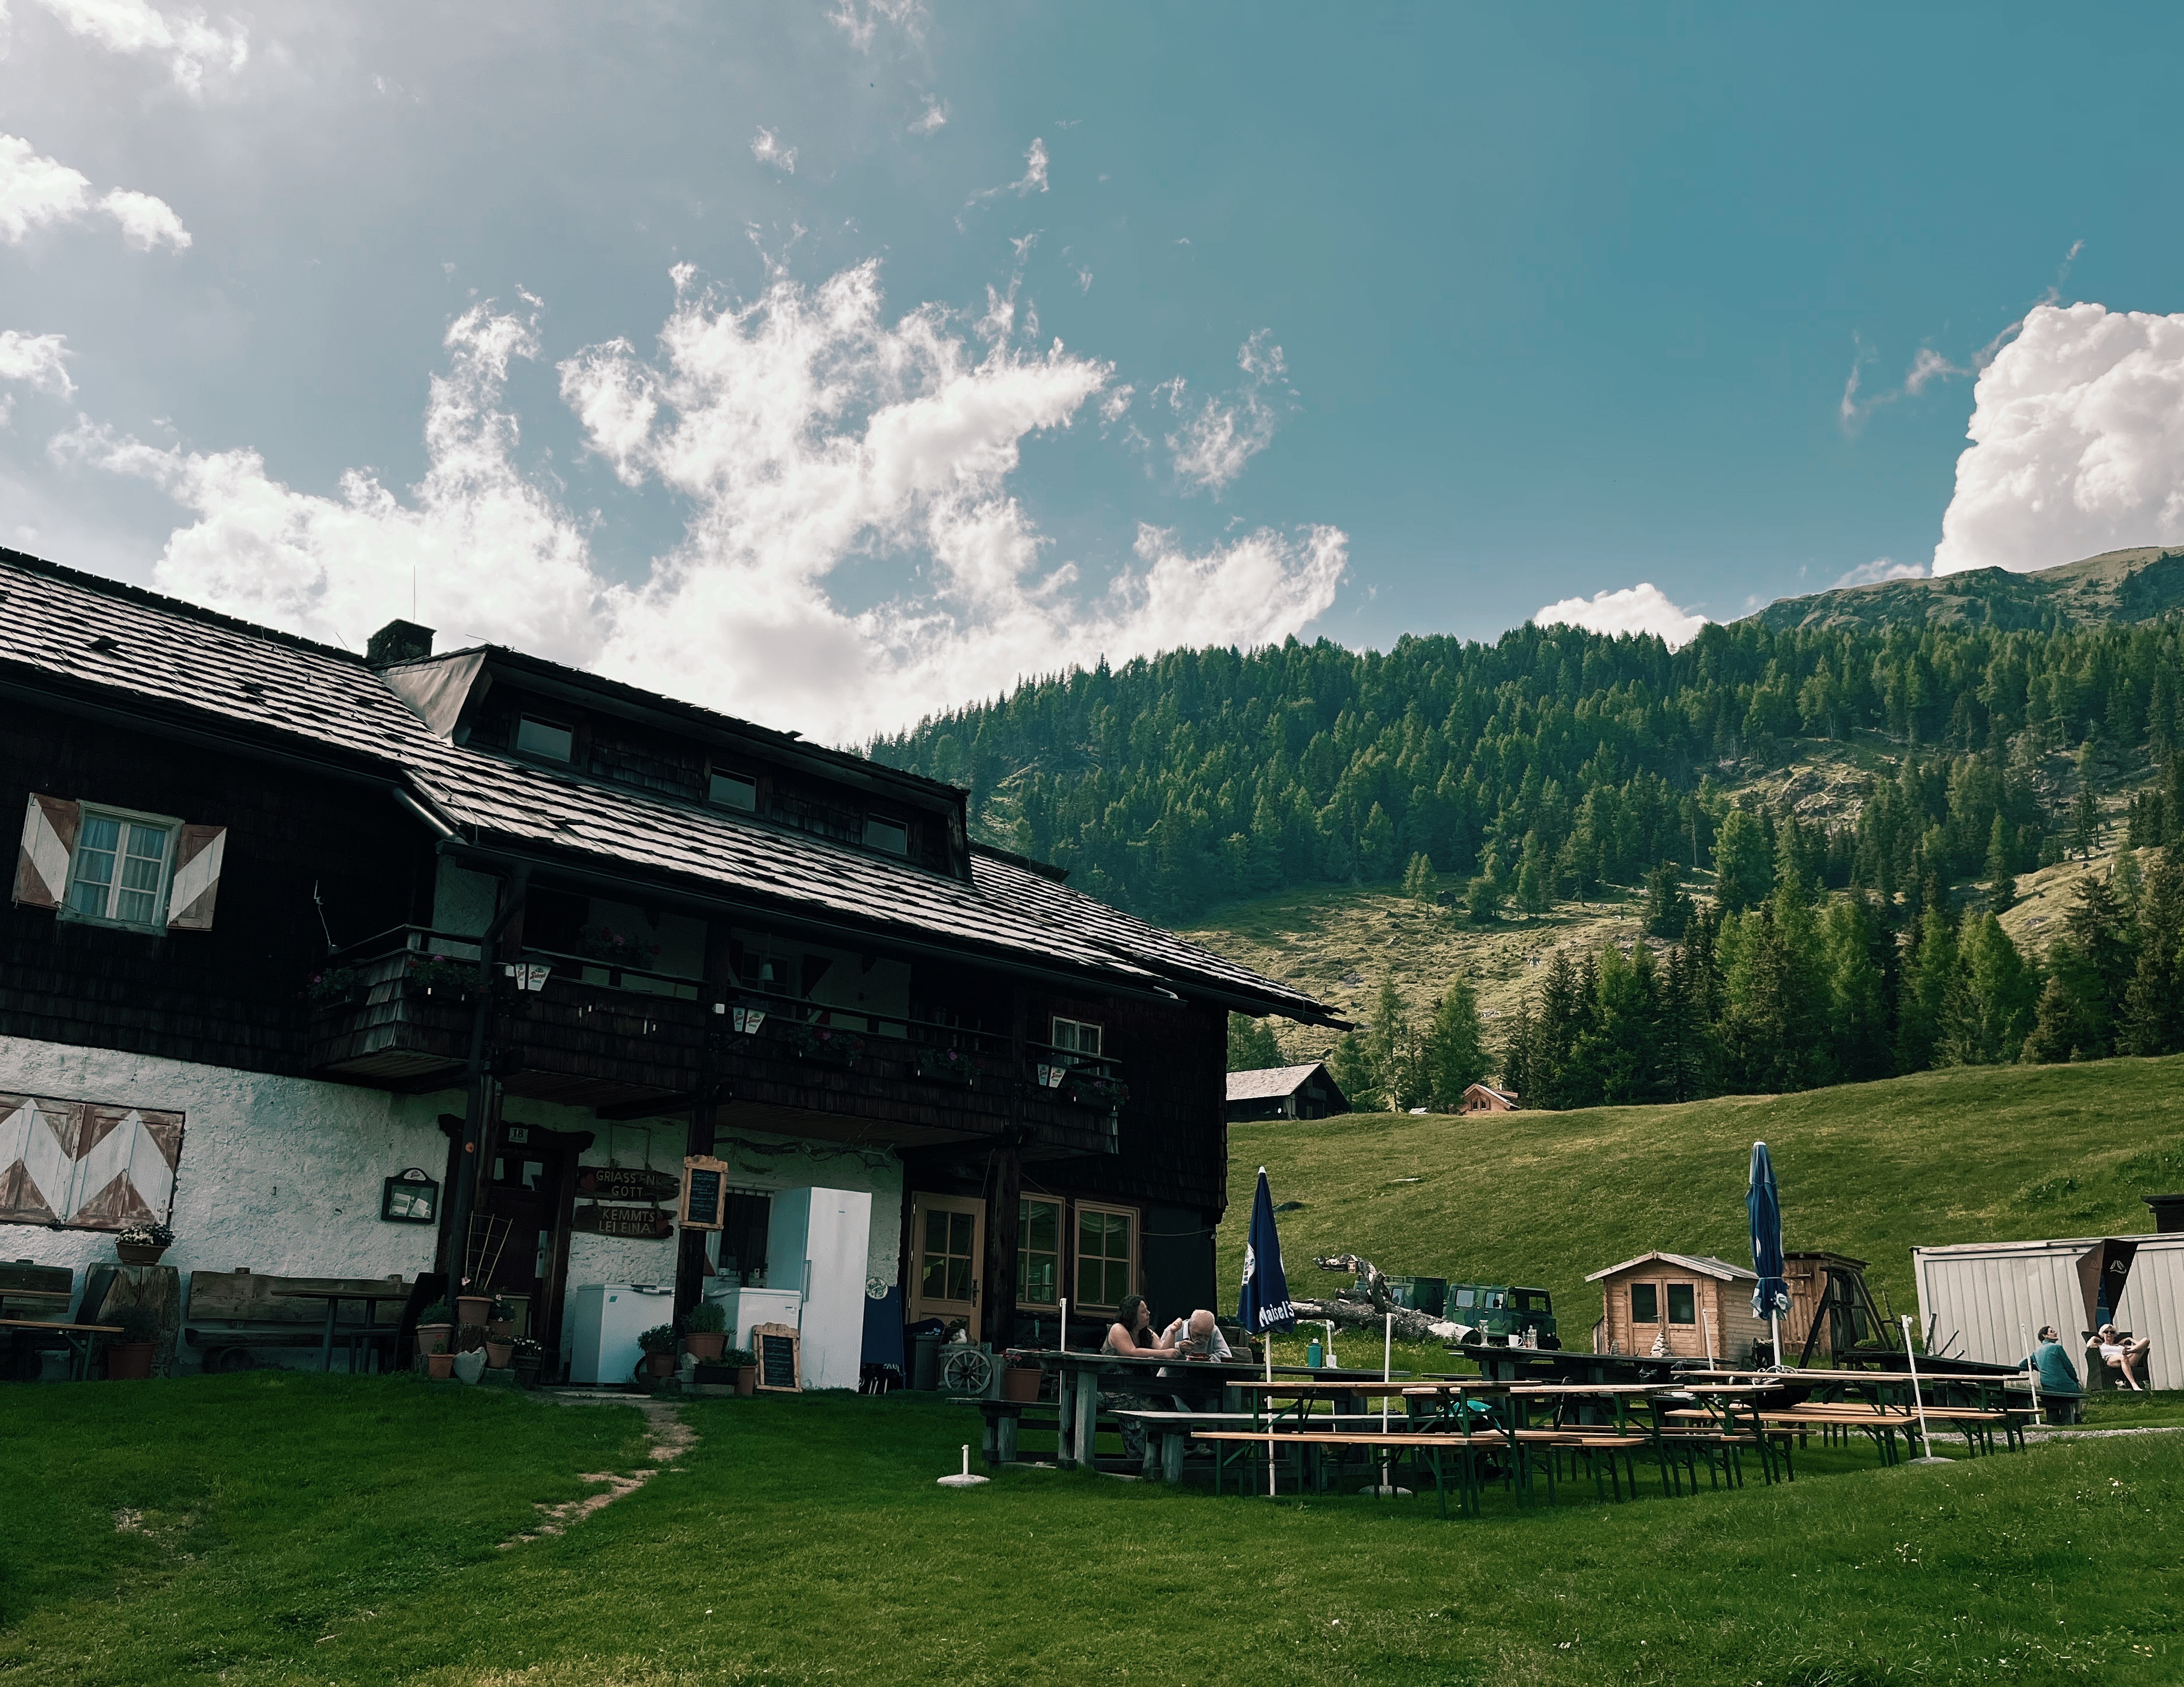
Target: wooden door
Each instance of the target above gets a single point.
(948, 1252)
(525, 1193)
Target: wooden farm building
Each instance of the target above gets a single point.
(434, 965)
(1484, 1097)
(1685, 1305)
(1305, 1092)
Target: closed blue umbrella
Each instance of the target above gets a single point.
(1264, 1304)
(1762, 1201)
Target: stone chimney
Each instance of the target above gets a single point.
(399, 641)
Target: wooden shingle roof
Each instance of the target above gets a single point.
(71, 637)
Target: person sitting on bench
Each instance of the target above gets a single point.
(2119, 1353)
(1131, 1337)
(2059, 1390)
(1197, 1337)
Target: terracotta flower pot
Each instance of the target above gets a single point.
(659, 1364)
(498, 1353)
(129, 1361)
(1020, 1382)
(706, 1345)
(433, 1338)
(440, 1366)
(746, 1379)
(138, 1253)
(473, 1309)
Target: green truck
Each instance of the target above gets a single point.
(1499, 1315)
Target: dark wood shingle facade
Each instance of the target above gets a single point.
(544, 917)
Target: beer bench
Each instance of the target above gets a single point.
(232, 1313)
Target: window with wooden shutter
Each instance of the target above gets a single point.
(42, 863)
(197, 860)
(84, 1165)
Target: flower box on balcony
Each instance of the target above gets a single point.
(951, 1066)
(440, 978)
(336, 986)
(1089, 1089)
(825, 1043)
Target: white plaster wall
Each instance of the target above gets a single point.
(283, 1175)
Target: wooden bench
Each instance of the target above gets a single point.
(1467, 1446)
(230, 1313)
(1167, 1434)
(35, 1294)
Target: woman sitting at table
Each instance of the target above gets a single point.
(1131, 1337)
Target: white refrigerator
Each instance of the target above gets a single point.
(816, 1244)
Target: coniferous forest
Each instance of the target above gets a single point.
(1555, 762)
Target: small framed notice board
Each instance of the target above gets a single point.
(704, 1193)
(780, 1365)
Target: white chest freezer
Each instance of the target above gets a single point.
(745, 1307)
(608, 1319)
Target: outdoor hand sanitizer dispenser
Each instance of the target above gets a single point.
(816, 1244)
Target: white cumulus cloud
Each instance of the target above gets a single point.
(1883, 568)
(36, 360)
(485, 552)
(853, 554)
(36, 191)
(189, 42)
(2077, 433)
(933, 117)
(1643, 608)
(766, 148)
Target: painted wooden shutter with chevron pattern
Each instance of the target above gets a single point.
(197, 878)
(42, 863)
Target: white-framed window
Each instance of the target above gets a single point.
(543, 739)
(120, 868)
(1039, 1252)
(729, 790)
(1077, 1036)
(1106, 1253)
(890, 835)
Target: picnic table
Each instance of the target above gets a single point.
(78, 1337)
(359, 1341)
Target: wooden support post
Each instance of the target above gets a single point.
(997, 1320)
(474, 1144)
(690, 1249)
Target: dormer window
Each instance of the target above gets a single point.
(543, 739)
(732, 791)
(890, 835)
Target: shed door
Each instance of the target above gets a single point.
(950, 1252)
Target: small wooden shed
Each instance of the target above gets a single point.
(1693, 1307)
(1484, 1097)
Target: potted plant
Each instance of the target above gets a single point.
(440, 977)
(440, 1366)
(501, 1321)
(434, 1327)
(745, 1363)
(468, 1338)
(336, 986)
(499, 1354)
(527, 1359)
(705, 1330)
(129, 1355)
(659, 1345)
(143, 1242)
(473, 1309)
(1019, 1381)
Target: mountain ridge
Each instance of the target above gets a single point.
(2138, 584)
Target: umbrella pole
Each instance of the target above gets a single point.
(1775, 1319)
(1270, 1413)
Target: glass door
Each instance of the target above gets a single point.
(949, 1244)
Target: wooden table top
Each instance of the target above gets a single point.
(53, 1324)
(389, 1293)
(1322, 1384)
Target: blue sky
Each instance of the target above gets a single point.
(715, 348)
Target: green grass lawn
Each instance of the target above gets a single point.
(1974, 1155)
(290, 1527)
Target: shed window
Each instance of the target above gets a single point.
(1039, 1252)
(890, 835)
(1106, 1254)
(1645, 1303)
(732, 791)
(1683, 1304)
(118, 871)
(534, 737)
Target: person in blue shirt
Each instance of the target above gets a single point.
(2059, 1388)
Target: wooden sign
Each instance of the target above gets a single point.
(641, 1223)
(704, 1193)
(780, 1366)
(626, 1182)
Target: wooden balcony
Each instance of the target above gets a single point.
(631, 1044)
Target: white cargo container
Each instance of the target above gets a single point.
(1983, 1301)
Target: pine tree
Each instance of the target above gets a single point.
(1391, 1052)
(2153, 1003)
(1251, 1045)
(1858, 1016)
(1482, 900)
(2084, 823)
(1515, 1068)
(1421, 883)
(1743, 864)
(1928, 977)
(1667, 905)
(1455, 1048)
(1351, 1068)
(1989, 1009)
(2000, 869)
(1627, 1044)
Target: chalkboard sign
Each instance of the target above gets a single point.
(704, 1193)
(779, 1360)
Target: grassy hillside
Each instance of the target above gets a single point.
(1967, 1156)
(2116, 586)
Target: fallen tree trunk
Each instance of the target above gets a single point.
(1363, 1315)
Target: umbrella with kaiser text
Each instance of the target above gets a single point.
(1763, 1204)
(1264, 1304)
